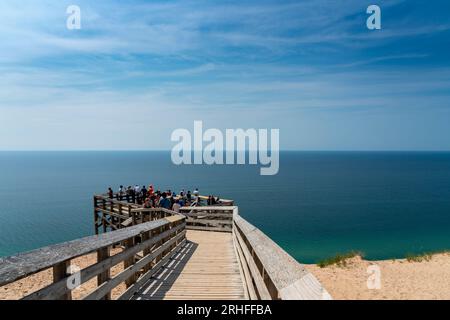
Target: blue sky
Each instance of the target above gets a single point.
(137, 70)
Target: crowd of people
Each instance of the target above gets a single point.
(151, 198)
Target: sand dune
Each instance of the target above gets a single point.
(23, 287)
(400, 279)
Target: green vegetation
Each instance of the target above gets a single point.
(419, 257)
(427, 256)
(340, 259)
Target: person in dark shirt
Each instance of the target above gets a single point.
(164, 202)
(128, 193)
(110, 193)
(144, 193)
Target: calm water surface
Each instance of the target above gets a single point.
(321, 203)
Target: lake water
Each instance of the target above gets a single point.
(321, 203)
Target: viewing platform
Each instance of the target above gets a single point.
(201, 252)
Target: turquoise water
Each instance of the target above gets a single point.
(321, 203)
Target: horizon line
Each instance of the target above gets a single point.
(169, 150)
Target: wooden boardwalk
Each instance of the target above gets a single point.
(204, 252)
(205, 268)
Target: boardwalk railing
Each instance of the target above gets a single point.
(149, 238)
(111, 214)
(269, 272)
(147, 247)
(209, 218)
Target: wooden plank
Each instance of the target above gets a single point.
(245, 270)
(209, 208)
(217, 229)
(102, 255)
(262, 290)
(129, 243)
(114, 214)
(213, 208)
(209, 221)
(59, 288)
(206, 267)
(127, 222)
(60, 272)
(283, 272)
(209, 215)
(138, 285)
(173, 219)
(130, 271)
(25, 264)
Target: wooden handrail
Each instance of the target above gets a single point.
(208, 208)
(111, 214)
(268, 270)
(209, 218)
(158, 240)
(227, 202)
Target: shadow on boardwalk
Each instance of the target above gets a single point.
(158, 286)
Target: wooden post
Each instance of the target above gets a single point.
(104, 222)
(134, 218)
(146, 236)
(95, 215)
(59, 273)
(103, 254)
(118, 221)
(129, 262)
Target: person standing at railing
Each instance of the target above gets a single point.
(132, 194)
(128, 193)
(120, 193)
(153, 201)
(148, 203)
(144, 193)
(176, 206)
(164, 202)
(137, 192)
(110, 193)
(150, 190)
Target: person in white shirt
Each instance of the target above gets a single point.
(196, 192)
(121, 192)
(137, 194)
(176, 206)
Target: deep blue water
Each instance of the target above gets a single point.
(321, 203)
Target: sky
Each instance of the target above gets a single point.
(137, 70)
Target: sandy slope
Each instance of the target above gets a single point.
(400, 279)
(21, 288)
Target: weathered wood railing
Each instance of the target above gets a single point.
(209, 218)
(269, 272)
(150, 237)
(111, 214)
(148, 246)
